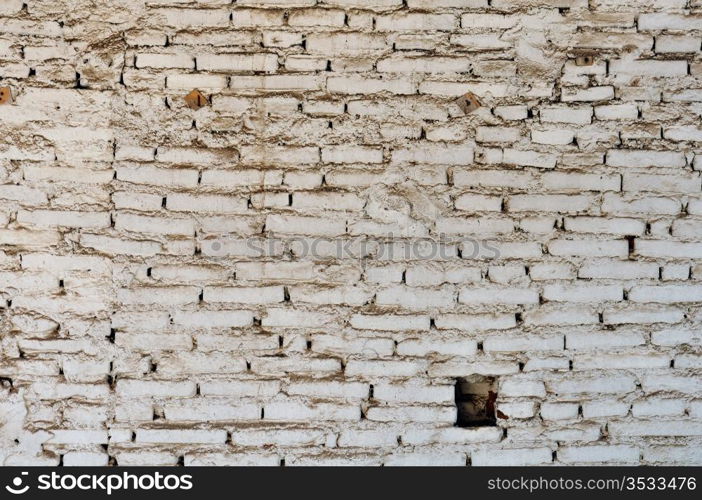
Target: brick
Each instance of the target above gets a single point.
(648, 428)
(652, 68)
(159, 176)
(240, 388)
(456, 459)
(23, 195)
(518, 410)
(451, 435)
(662, 183)
(63, 218)
(283, 318)
(351, 154)
(588, 94)
(180, 202)
(549, 203)
(201, 81)
(367, 438)
(292, 411)
(528, 158)
(346, 44)
(290, 224)
(440, 394)
(213, 319)
(683, 133)
(154, 225)
(361, 85)
(423, 65)
(164, 61)
(237, 62)
(666, 44)
(663, 21)
(244, 295)
(498, 295)
(138, 388)
(603, 340)
(619, 270)
(617, 112)
(619, 205)
(382, 368)
(516, 343)
(643, 315)
(316, 17)
(588, 248)
(599, 454)
(418, 414)
(171, 436)
(430, 154)
(511, 457)
(390, 322)
(644, 158)
(666, 294)
(583, 293)
(672, 455)
(415, 299)
(597, 225)
(669, 383)
(480, 43)
(416, 22)
(559, 411)
(552, 136)
(186, 18)
(560, 114)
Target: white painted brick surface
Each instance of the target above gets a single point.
(309, 261)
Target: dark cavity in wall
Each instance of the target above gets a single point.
(475, 399)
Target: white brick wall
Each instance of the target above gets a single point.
(311, 259)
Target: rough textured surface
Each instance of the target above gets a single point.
(140, 323)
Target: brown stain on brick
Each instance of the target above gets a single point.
(584, 61)
(585, 58)
(468, 103)
(5, 95)
(196, 99)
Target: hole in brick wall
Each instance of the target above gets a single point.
(475, 399)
